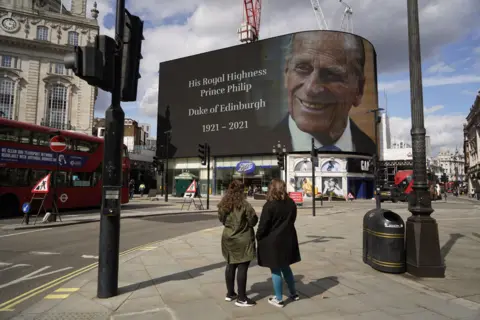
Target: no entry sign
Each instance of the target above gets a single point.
(58, 144)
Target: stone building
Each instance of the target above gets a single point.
(35, 87)
(471, 147)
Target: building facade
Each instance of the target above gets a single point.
(471, 147)
(35, 87)
(452, 163)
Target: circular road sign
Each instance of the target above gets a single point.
(58, 144)
(26, 207)
(64, 197)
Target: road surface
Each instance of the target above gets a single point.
(31, 258)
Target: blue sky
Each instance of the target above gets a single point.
(450, 35)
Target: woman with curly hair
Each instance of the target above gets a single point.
(277, 240)
(238, 241)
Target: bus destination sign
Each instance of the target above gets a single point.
(24, 156)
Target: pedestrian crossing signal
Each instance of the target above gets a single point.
(42, 186)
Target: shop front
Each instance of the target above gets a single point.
(255, 172)
(335, 177)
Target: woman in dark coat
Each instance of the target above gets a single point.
(238, 241)
(277, 240)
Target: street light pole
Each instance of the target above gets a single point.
(112, 174)
(422, 240)
(375, 159)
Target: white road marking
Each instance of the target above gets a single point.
(2, 264)
(33, 275)
(16, 266)
(25, 232)
(86, 256)
(42, 253)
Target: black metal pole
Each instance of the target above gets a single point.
(112, 176)
(208, 175)
(167, 142)
(313, 177)
(286, 167)
(375, 164)
(422, 240)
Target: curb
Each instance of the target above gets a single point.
(70, 223)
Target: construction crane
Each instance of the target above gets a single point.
(317, 10)
(249, 30)
(347, 22)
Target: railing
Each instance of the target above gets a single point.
(57, 125)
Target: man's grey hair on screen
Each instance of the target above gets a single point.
(353, 46)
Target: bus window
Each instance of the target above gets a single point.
(25, 136)
(36, 175)
(97, 175)
(63, 179)
(41, 139)
(13, 177)
(82, 179)
(8, 134)
(85, 146)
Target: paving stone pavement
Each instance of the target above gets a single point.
(183, 279)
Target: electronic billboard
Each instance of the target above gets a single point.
(242, 100)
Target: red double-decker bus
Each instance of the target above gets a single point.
(25, 158)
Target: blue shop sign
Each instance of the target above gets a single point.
(245, 167)
(25, 156)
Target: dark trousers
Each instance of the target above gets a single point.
(241, 270)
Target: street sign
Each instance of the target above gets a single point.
(64, 197)
(26, 207)
(42, 186)
(58, 144)
(192, 188)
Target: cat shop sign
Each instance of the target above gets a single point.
(356, 165)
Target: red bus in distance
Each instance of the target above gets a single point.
(25, 158)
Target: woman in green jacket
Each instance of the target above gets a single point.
(238, 241)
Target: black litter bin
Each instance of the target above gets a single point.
(385, 235)
(367, 242)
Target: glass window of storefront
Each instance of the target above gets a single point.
(265, 170)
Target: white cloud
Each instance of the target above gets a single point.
(433, 109)
(212, 24)
(444, 130)
(404, 85)
(440, 67)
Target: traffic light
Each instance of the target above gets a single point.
(132, 53)
(314, 156)
(155, 162)
(94, 64)
(202, 153)
(280, 161)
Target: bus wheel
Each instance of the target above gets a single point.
(9, 206)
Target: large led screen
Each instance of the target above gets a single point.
(242, 100)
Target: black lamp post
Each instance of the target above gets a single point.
(376, 186)
(423, 254)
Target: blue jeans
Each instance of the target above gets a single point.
(278, 281)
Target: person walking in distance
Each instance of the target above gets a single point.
(238, 241)
(277, 240)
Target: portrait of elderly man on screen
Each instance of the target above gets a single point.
(324, 78)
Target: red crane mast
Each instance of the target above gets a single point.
(249, 30)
